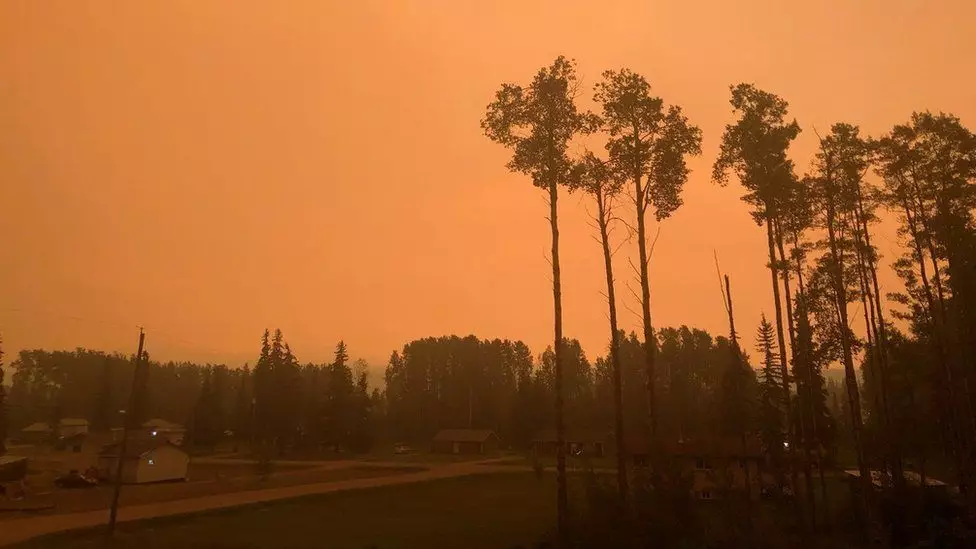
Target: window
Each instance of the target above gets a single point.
(702, 465)
(705, 494)
(151, 462)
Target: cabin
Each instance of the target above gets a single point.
(714, 465)
(70, 427)
(145, 461)
(465, 441)
(37, 433)
(580, 443)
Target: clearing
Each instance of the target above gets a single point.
(496, 511)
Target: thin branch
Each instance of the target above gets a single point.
(721, 286)
(650, 252)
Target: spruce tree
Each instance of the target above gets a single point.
(3, 405)
(771, 420)
(102, 413)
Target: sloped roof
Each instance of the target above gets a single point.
(136, 448)
(464, 435)
(162, 424)
(39, 427)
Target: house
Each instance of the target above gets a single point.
(714, 465)
(145, 461)
(156, 428)
(593, 443)
(37, 433)
(72, 426)
(465, 441)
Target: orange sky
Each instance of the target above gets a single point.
(209, 169)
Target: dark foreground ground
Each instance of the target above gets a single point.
(495, 511)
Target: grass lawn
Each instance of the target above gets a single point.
(496, 511)
(572, 462)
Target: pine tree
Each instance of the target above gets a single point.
(3, 405)
(264, 392)
(203, 428)
(102, 413)
(243, 406)
(771, 420)
(340, 398)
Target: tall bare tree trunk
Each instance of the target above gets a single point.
(881, 339)
(802, 398)
(850, 376)
(562, 508)
(810, 373)
(736, 361)
(618, 406)
(937, 312)
(649, 344)
(784, 363)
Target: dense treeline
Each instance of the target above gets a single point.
(445, 382)
(431, 384)
(279, 401)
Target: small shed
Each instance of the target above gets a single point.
(465, 441)
(145, 461)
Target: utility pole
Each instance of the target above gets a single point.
(126, 420)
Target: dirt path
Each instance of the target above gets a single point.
(18, 530)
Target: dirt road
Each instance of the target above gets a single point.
(18, 530)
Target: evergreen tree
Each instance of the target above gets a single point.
(104, 405)
(771, 420)
(244, 406)
(140, 412)
(340, 398)
(3, 404)
(264, 391)
(204, 430)
(755, 148)
(361, 431)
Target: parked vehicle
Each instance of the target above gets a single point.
(74, 479)
(401, 449)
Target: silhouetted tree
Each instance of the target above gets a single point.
(648, 144)
(3, 404)
(755, 149)
(834, 165)
(244, 405)
(340, 398)
(770, 415)
(204, 428)
(598, 180)
(104, 408)
(538, 123)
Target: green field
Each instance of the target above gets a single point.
(496, 511)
